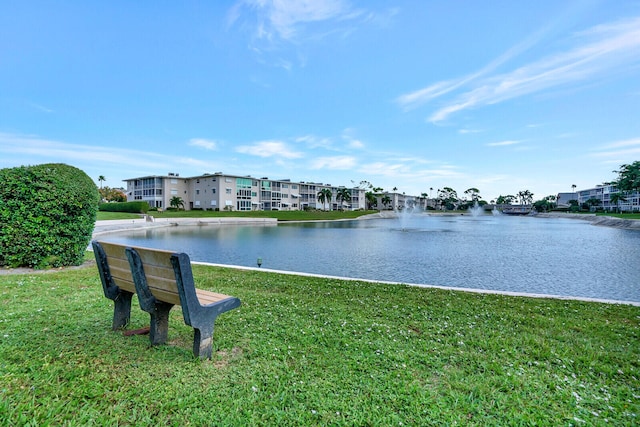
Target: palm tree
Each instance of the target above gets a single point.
(343, 194)
(176, 202)
(386, 200)
(324, 196)
(616, 198)
(101, 178)
(371, 199)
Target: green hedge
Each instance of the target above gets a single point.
(47, 215)
(131, 207)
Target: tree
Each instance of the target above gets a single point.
(542, 205)
(616, 198)
(526, 197)
(101, 178)
(474, 193)
(176, 202)
(371, 199)
(628, 178)
(592, 203)
(505, 200)
(324, 196)
(448, 197)
(386, 200)
(112, 195)
(343, 194)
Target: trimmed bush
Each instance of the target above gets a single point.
(130, 207)
(47, 215)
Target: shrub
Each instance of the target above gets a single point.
(47, 215)
(131, 207)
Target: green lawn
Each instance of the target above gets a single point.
(309, 351)
(279, 215)
(621, 215)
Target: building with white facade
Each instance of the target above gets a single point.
(603, 193)
(220, 191)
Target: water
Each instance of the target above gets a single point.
(494, 252)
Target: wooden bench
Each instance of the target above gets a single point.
(161, 280)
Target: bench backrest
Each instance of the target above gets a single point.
(159, 272)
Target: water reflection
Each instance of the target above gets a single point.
(521, 254)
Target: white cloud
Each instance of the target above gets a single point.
(597, 52)
(335, 162)
(285, 20)
(31, 149)
(356, 144)
(312, 141)
(269, 149)
(207, 144)
(626, 149)
(502, 143)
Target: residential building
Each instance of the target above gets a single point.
(603, 194)
(220, 191)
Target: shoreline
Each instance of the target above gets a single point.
(105, 227)
(114, 226)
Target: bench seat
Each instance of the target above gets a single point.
(161, 279)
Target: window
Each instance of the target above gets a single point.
(174, 192)
(174, 181)
(214, 203)
(228, 191)
(243, 205)
(197, 191)
(197, 202)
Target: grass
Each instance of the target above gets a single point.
(620, 215)
(306, 351)
(279, 215)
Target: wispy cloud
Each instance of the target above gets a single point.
(623, 151)
(285, 20)
(41, 150)
(597, 52)
(415, 99)
(313, 141)
(352, 141)
(502, 143)
(335, 162)
(207, 144)
(269, 149)
(466, 131)
(41, 108)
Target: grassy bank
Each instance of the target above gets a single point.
(279, 215)
(309, 351)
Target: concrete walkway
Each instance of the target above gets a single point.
(114, 226)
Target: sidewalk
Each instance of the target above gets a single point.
(114, 226)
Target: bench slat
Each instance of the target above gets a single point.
(158, 271)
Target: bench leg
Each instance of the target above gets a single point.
(159, 326)
(202, 342)
(121, 310)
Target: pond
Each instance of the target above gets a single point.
(553, 256)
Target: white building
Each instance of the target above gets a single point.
(219, 191)
(603, 193)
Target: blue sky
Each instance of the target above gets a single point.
(503, 96)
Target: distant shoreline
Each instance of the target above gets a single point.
(114, 226)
